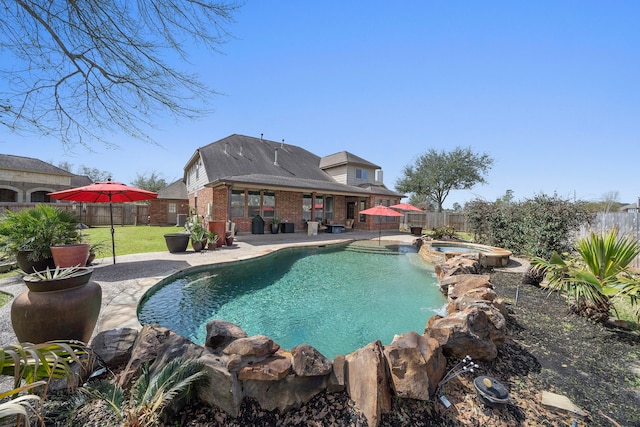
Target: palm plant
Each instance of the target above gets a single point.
(599, 273)
(37, 229)
(150, 394)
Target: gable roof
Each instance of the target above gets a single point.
(80, 181)
(19, 163)
(247, 160)
(343, 158)
(175, 190)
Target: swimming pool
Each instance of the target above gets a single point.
(336, 298)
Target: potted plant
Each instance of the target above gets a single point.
(212, 240)
(177, 242)
(275, 225)
(29, 235)
(95, 249)
(59, 304)
(197, 232)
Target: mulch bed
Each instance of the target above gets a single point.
(548, 349)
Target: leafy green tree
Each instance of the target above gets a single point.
(94, 174)
(77, 68)
(153, 182)
(436, 173)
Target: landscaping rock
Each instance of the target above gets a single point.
(114, 346)
(220, 334)
(416, 365)
(464, 333)
(273, 368)
(285, 394)
(255, 346)
(336, 383)
(307, 361)
(367, 382)
(223, 390)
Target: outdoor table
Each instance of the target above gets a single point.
(335, 228)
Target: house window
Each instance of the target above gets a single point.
(269, 204)
(362, 205)
(237, 203)
(40, 197)
(254, 203)
(328, 207)
(306, 208)
(172, 208)
(362, 174)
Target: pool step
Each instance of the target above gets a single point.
(378, 250)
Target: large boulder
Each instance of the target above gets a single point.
(416, 365)
(114, 346)
(256, 346)
(287, 393)
(273, 368)
(223, 389)
(157, 346)
(367, 382)
(464, 333)
(306, 361)
(467, 283)
(221, 333)
(336, 382)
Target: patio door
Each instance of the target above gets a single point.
(351, 210)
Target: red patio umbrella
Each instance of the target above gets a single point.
(103, 192)
(380, 210)
(406, 207)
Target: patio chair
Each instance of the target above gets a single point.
(348, 225)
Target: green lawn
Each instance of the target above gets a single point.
(129, 239)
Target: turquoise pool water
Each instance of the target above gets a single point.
(336, 299)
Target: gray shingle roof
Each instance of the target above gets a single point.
(343, 158)
(176, 190)
(247, 160)
(19, 163)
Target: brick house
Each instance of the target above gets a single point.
(28, 180)
(171, 202)
(240, 177)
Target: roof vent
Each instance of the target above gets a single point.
(225, 147)
(241, 145)
(261, 135)
(275, 161)
(282, 143)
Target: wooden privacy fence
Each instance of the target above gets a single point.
(95, 214)
(627, 224)
(431, 220)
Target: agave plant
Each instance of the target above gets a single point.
(57, 273)
(601, 272)
(150, 393)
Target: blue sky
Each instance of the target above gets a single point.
(550, 90)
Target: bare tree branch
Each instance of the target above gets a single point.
(79, 69)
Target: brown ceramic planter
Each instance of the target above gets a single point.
(59, 309)
(70, 255)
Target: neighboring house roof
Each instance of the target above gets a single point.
(176, 190)
(343, 158)
(19, 163)
(247, 160)
(80, 181)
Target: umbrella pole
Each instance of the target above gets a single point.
(113, 242)
(379, 229)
